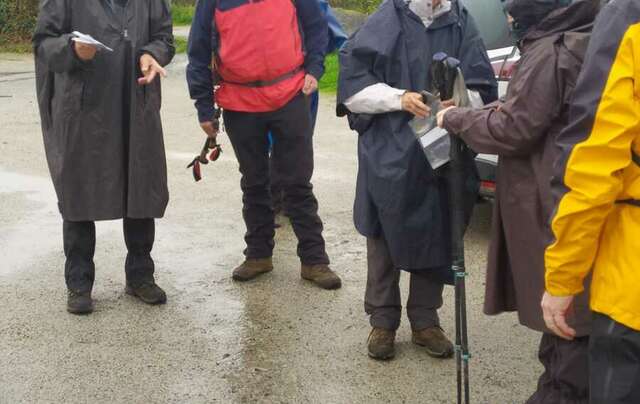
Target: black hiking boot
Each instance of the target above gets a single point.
(148, 292)
(79, 303)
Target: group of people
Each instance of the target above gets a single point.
(566, 209)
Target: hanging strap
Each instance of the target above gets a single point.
(267, 83)
(634, 202)
(635, 157)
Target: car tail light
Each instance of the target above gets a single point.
(506, 73)
(503, 69)
(487, 187)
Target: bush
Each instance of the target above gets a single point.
(17, 20)
(364, 6)
(329, 82)
(182, 14)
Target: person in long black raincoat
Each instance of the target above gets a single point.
(401, 203)
(100, 113)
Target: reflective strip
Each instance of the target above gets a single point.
(635, 202)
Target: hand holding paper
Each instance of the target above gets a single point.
(84, 51)
(80, 38)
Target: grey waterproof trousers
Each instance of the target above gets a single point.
(382, 297)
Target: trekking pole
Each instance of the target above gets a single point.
(445, 71)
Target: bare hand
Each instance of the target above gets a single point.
(412, 102)
(441, 114)
(448, 103)
(150, 69)
(310, 85)
(555, 311)
(85, 51)
(210, 129)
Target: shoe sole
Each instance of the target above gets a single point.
(239, 278)
(387, 357)
(334, 286)
(131, 292)
(433, 354)
(80, 312)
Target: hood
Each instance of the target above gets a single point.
(577, 17)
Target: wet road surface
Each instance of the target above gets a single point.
(276, 340)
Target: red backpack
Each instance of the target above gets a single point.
(260, 57)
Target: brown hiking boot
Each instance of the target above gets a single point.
(79, 303)
(252, 268)
(434, 342)
(381, 344)
(321, 275)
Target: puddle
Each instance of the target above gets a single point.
(31, 226)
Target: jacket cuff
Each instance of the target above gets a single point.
(453, 120)
(315, 70)
(206, 110)
(155, 52)
(563, 289)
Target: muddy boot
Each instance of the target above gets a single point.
(321, 275)
(434, 342)
(79, 303)
(381, 344)
(148, 292)
(252, 268)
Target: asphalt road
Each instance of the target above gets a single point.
(276, 340)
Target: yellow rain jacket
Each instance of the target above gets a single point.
(597, 221)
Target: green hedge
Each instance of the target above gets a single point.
(17, 20)
(182, 14)
(364, 6)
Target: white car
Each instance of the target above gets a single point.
(492, 23)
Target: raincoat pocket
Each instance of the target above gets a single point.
(73, 93)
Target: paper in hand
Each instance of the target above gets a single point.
(89, 40)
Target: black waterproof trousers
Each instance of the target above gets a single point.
(277, 192)
(292, 157)
(614, 356)
(566, 371)
(80, 245)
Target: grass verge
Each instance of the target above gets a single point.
(329, 82)
(182, 15)
(181, 44)
(16, 47)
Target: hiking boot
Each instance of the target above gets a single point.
(381, 344)
(434, 342)
(321, 275)
(79, 303)
(148, 292)
(252, 268)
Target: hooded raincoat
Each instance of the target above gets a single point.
(398, 195)
(102, 131)
(523, 130)
(596, 224)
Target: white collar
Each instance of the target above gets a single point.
(424, 10)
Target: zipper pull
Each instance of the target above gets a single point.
(126, 33)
